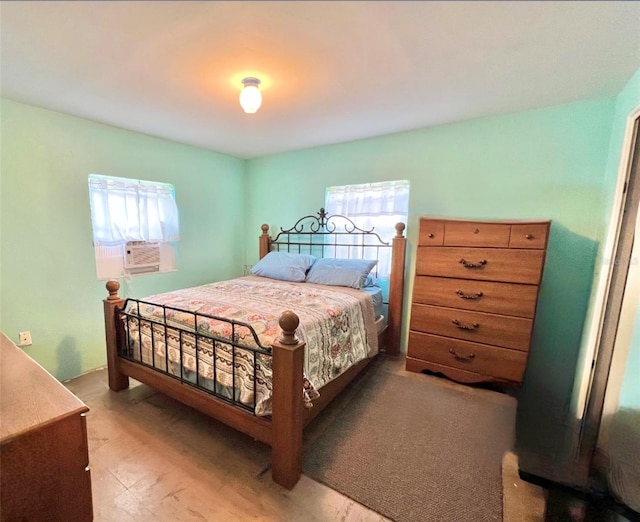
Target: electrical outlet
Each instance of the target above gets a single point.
(25, 339)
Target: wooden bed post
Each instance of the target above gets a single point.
(396, 287)
(287, 406)
(117, 381)
(264, 241)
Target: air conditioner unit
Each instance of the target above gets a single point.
(141, 256)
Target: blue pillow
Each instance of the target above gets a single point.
(284, 266)
(340, 272)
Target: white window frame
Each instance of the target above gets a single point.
(126, 212)
(372, 205)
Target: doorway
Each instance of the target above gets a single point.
(612, 415)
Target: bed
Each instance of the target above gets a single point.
(263, 353)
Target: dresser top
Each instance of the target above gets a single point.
(30, 397)
(496, 221)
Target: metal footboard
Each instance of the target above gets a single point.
(142, 340)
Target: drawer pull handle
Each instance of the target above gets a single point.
(461, 326)
(462, 295)
(466, 263)
(459, 357)
(476, 231)
(528, 236)
(431, 236)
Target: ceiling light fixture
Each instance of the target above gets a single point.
(250, 97)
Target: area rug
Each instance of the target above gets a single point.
(417, 448)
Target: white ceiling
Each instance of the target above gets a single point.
(330, 71)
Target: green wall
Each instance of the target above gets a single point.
(547, 163)
(47, 272)
(630, 392)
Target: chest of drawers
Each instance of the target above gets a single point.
(474, 300)
(43, 444)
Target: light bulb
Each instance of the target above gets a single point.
(250, 97)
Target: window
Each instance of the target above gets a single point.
(372, 205)
(135, 224)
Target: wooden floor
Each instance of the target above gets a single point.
(152, 458)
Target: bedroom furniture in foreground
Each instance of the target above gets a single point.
(43, 444)
(474, 297)
(322, 236)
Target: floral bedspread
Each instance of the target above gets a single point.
(336, 323)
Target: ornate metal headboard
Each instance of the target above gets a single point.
(325, 235)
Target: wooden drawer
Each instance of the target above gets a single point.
(533, 235)
(45, 473)
(476, 234)
(482, 296)
(496, 330)
(485, 360)
(431, 232)
(487, 264)
(43, 444)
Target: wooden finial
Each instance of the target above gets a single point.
(113, 287)
(400, 229)
(288, 323)
(265, 241)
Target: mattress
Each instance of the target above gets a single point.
(336, 323)
(376, 295)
